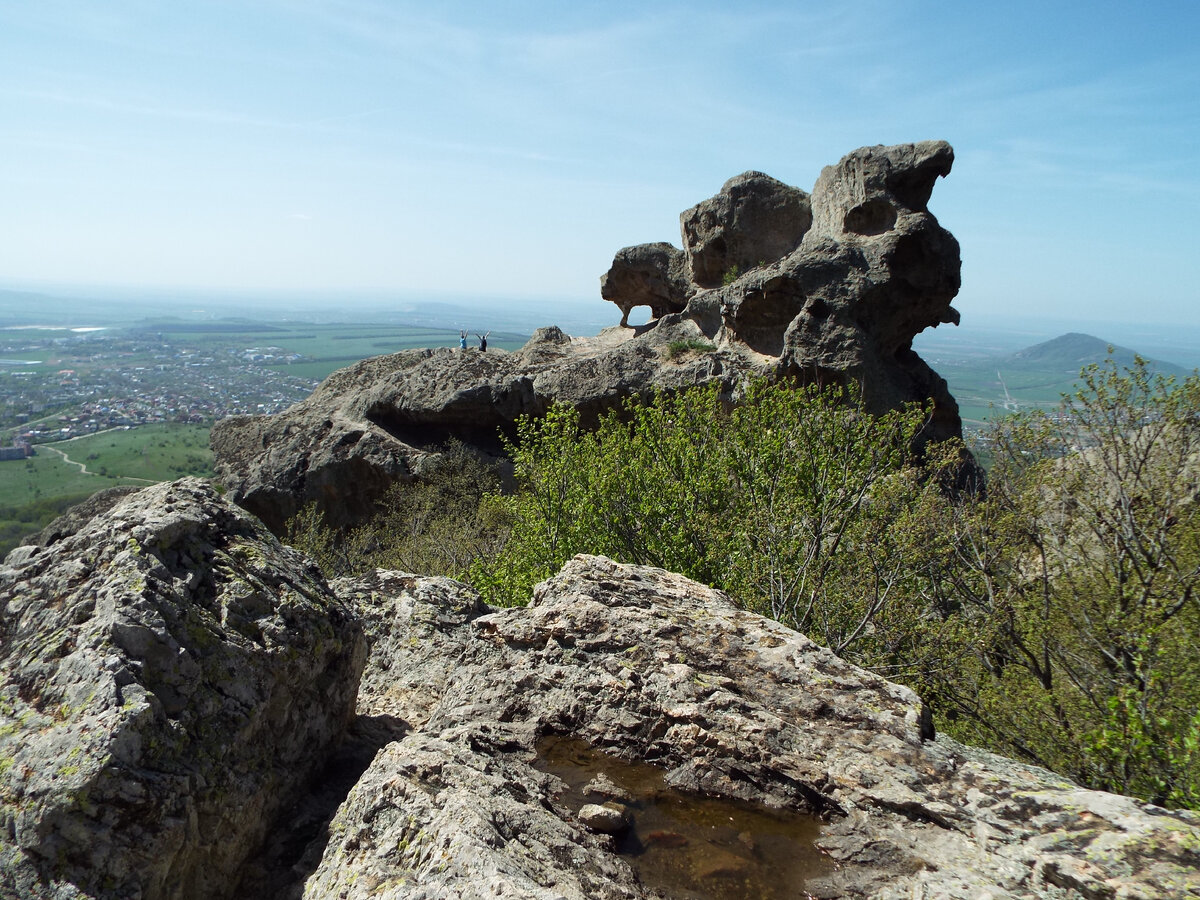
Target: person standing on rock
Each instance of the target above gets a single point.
(462, 339)
(482, 342)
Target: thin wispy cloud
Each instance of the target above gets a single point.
(576, 128)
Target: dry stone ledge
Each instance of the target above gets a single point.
(830, 287)
(169, 676)
(650, 666)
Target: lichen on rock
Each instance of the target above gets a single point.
(174, 678)
(170, 673)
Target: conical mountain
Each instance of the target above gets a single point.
(1070, 352)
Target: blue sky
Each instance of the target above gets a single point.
(509, 149)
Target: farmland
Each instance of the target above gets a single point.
(132, 403)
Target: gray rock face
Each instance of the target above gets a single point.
(383, 420)
(831, 288)
(653, 275)
(170, 675)
(752, 221)
(172, 679)
(874, 270)
(650, 666)
(77, 516)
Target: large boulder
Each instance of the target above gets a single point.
(170, 676)
(653, 275)
(828, 288)
(644, 665)
(753, 220)
(174, 685)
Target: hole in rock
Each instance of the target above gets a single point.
(687, 845)
(870, 218)
(640, 315)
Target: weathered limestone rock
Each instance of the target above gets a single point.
(78, 516)
(172, 679)
(653, 275)
(830, 288)
(381, 421)
(874, 270)
(169, 676)
(650, 666)
(752, 221)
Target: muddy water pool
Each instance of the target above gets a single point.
(687, 845)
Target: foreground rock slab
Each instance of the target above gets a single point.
(647, 665)
(169, 676)
(176, 697)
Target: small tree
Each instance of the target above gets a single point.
(1078, 577)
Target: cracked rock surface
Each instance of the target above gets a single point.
(189, 710)
(169, 674)
(650, 666)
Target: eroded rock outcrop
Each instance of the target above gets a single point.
(650, 666)
(752, 221)
(169, 676)
(828, 287)
(653, 275)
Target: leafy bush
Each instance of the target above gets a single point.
(1074, 589)
(1054, 618)
(790, 501)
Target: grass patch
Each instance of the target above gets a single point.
(148, 453)
(35, 491)
(677, 349)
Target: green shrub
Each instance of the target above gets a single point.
(677, 349)
(435, 526)
(1074, 586)
(789, 500)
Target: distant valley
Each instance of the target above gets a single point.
(100, 401)
(78, 369)
(988, 381)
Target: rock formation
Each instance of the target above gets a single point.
(172, 676)
(653, 275)
(754, 220)
(831, 287)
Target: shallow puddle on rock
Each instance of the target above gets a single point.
(687, 845)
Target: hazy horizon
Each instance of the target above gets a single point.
(362, 147)
(1170, 342)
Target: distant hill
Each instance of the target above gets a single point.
(990, 384)
(1068, 353)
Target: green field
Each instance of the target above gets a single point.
(1036, 377)
(149, 453)
(36, 490)
(981, 390)
(325, 348)
(33, 491)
